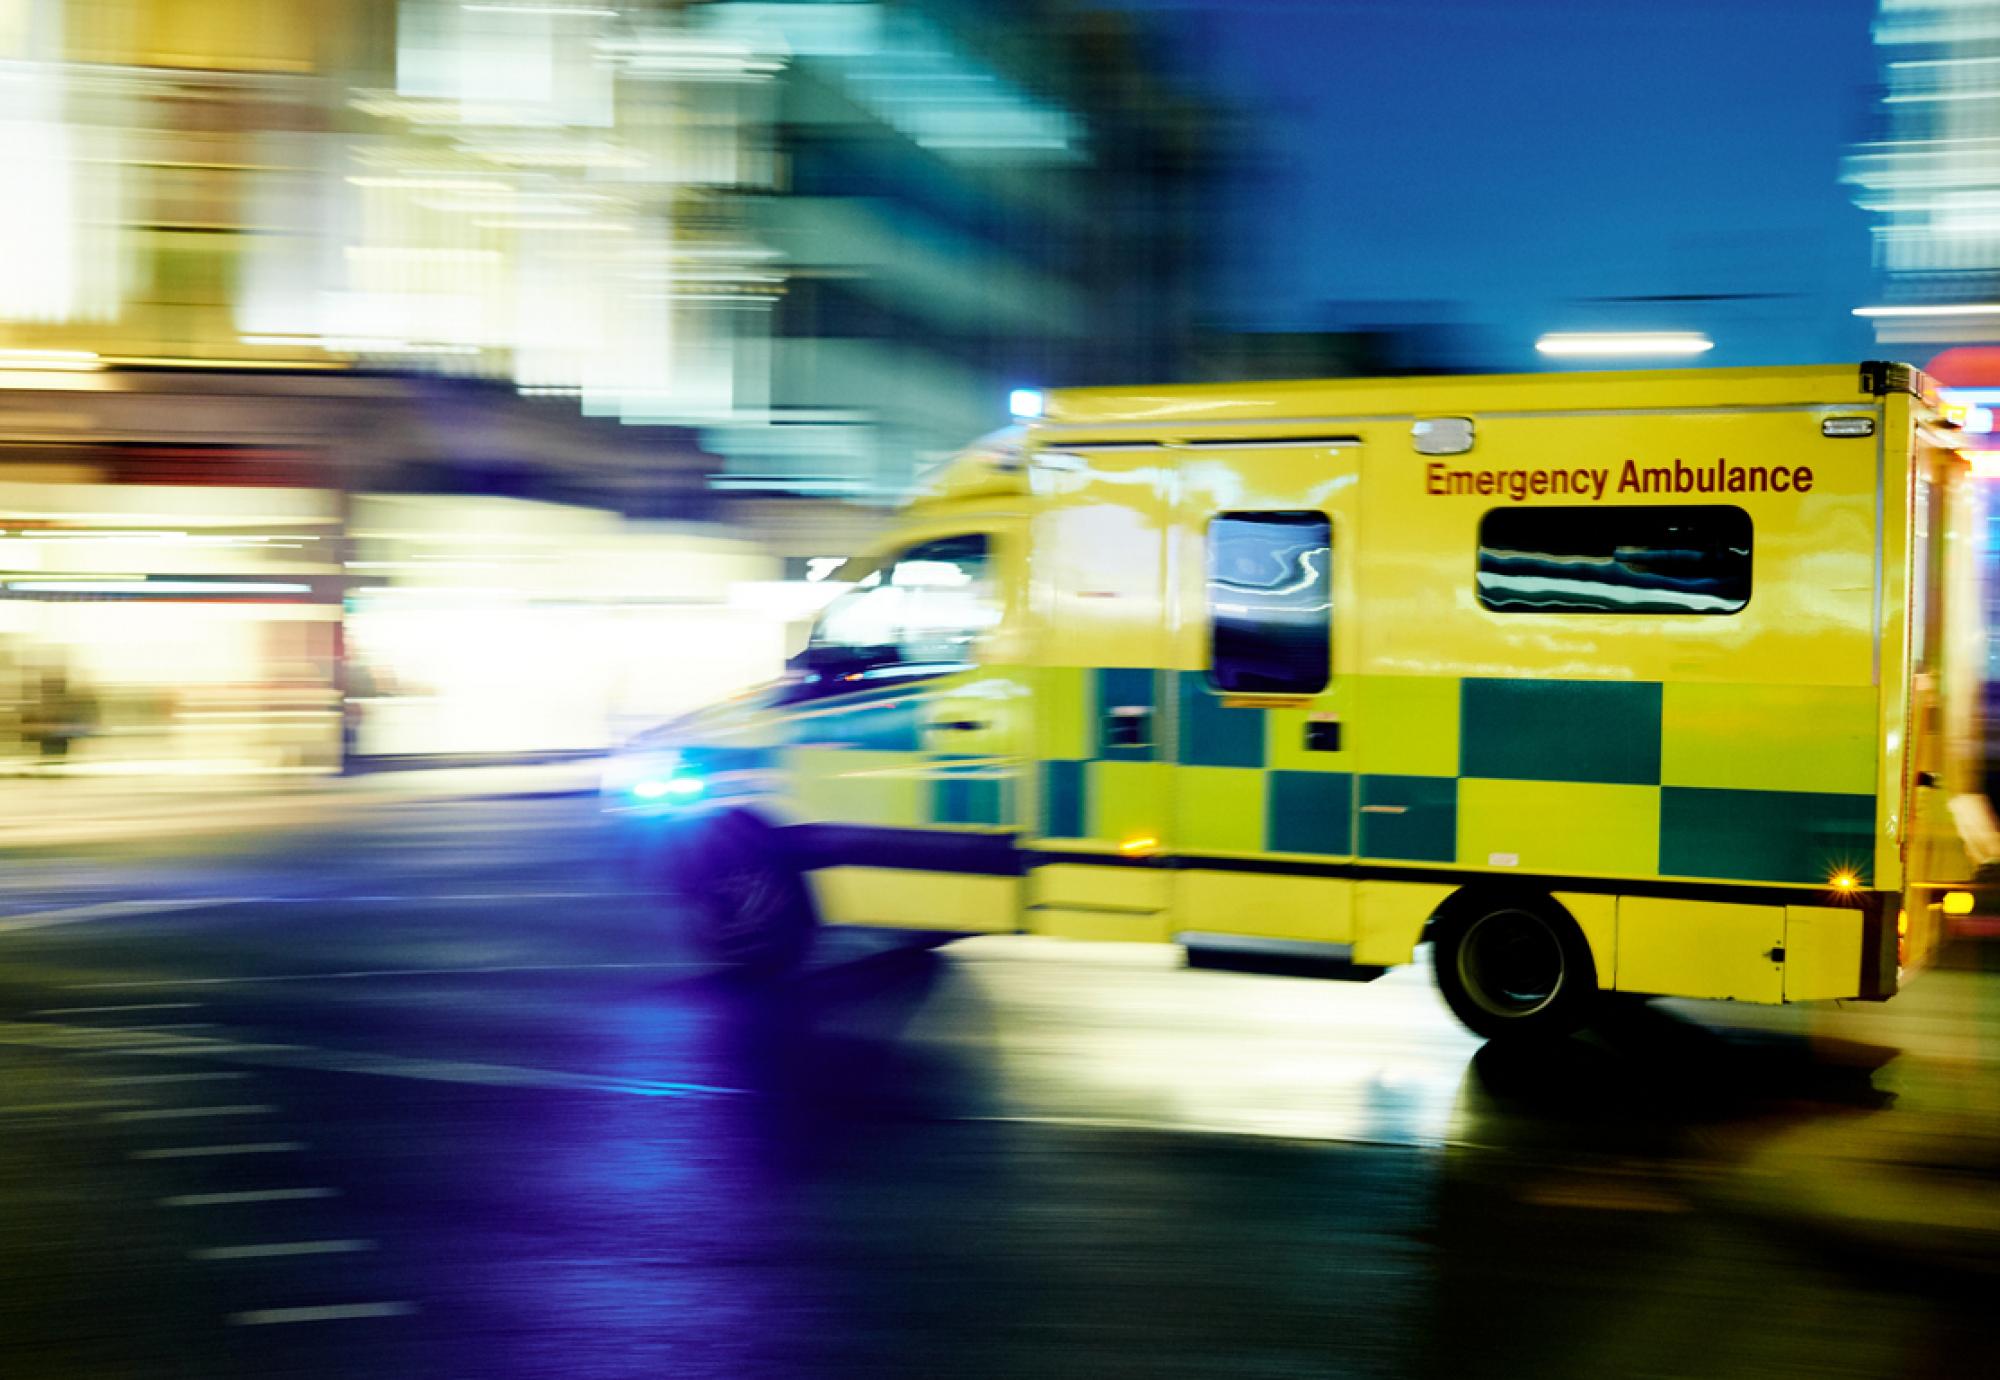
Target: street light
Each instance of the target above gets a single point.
(1607, 344)
(1936, 309)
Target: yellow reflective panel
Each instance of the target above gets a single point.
(1675, 948)
(1812, 596)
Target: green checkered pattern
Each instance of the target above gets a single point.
(861, 759)
(1728, 782)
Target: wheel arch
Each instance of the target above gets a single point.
(1593, 915)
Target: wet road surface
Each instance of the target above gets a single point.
(438, 1096)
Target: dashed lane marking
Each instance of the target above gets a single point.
(280, 1055)
(141, 1080)
(128, 1006)
(96, 1039)
(332, 1312)
(269, 1249)
(197, 1152)
(118, 910)
(113, 910)
(183, 1113)
(356, 974)
(248, 1195)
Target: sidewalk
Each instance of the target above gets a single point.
(46, 813)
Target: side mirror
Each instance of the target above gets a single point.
(826, 663)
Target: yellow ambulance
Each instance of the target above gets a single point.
(1645, 682)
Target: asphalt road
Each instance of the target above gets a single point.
(434, 1094)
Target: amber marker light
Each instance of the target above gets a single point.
(1140, 847)
(1844, 881)
(1958, 903)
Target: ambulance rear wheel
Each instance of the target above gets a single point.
(752, 914)
(1513, 967)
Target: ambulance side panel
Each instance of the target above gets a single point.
(1729, 750)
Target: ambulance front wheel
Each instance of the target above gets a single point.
(751, 911)
(1513, 967)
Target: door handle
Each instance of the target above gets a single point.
(956, 725)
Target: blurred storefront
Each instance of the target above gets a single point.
(490, 364)
(350, 568)
(498, 626)
(162, 628)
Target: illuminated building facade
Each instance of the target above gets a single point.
(266, 263)
(1932, 182)
(826, 235)
(1931, 179)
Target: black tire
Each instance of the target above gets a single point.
(750, 909)
(1513, 967)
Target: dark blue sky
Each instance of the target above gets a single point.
(1508, 161)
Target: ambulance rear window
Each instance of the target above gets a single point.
(1270, 602)
(1679, 559)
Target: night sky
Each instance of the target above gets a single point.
(1504, 165)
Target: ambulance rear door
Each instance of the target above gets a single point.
(1264, 649)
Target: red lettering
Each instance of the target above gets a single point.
(1485, 482)
(1802, 479)
(1539, 483)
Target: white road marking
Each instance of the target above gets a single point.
(130, 1006)
(146, 1079)
(331, 1312)
(180, 1113)
(113, 910)
(354, 974)
(45, 1107)
(277, 1248)
(252, 1195)
(489, 1075)
(97, 1039)
(504, 896)
(131, 906)
(281, 1055)
(196, 1152)
(175, 1046)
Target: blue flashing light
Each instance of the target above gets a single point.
(679, 786)
(1025, 403)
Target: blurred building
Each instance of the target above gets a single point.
(269, 265)
(1931, 175)
(1931, 179)
(828, 235)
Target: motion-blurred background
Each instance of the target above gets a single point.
(465, 384)
(396, 380)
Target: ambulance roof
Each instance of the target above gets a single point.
(1314, 399)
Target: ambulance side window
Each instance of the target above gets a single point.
(919, 613)
(1270, 602)
(1667, 559)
